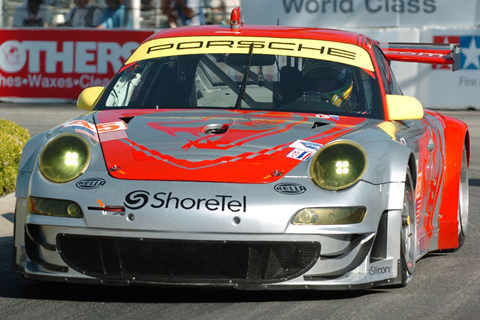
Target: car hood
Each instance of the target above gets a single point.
(235, 146)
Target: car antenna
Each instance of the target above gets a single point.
(246, 75)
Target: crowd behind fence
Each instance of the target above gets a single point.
(151, 13)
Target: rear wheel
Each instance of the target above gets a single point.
(408, 234)
(463, 201)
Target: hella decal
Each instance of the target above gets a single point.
(290, 188)
(90, 183)
(138, 199)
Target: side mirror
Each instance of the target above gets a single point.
(403, 108)
(88, 98)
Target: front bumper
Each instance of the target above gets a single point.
(299, 257)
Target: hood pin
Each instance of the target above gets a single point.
(276, 173)
(115, 168)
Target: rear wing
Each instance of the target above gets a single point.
(432, 53)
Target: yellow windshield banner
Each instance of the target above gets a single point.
(302, 48)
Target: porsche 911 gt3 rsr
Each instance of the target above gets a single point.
(253, 157)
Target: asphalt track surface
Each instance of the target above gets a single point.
(445, 285)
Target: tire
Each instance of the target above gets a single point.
(463, 201)
(408, 232)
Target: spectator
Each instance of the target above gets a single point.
(183, 12)
(32, 14)
(190, 12)
(168, 9)
(219, 11)
(84, 15)
(115, 16)
(146, 5)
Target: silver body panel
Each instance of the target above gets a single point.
(225, 212)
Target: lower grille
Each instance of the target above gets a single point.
(187, 261)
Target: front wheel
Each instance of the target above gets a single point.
(408, 234)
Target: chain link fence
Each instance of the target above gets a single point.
(151, 15)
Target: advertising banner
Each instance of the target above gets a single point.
(362, 13)
(57, 64)
(438, 86)
(427, 21)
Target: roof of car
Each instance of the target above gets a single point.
(266, 31)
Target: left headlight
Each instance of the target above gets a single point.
(329, 216)
(338, 165)
(64, 158)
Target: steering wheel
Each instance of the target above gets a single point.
(313, 102)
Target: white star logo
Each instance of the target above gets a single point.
(471, 55)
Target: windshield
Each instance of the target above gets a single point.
(263, 82)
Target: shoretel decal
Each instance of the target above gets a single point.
(138, 199)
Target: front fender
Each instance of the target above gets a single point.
(387, 158)
(388, 162)
(27, 164)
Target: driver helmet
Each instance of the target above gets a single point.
(334, 81)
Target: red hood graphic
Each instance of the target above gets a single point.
(212, 145)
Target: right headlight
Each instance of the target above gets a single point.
(338, 165)
(64, 158)
(54, 207)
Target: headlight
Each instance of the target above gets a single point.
(64, 158)
(338, 165)
(53, 207)
(329, 216)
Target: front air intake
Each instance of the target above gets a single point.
(154, 260)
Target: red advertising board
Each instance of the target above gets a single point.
(57, 64)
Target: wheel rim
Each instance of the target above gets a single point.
(463, 197)
(408, 229)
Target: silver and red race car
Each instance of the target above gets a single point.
(253, 157)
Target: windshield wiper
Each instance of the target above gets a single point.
(243, 88)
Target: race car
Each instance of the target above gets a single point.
(250, 157)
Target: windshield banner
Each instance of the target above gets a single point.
(304, 48)
(57, 64)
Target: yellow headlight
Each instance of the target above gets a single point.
(54, 207)
(64, 158)
(338, 165)
(329, 216)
